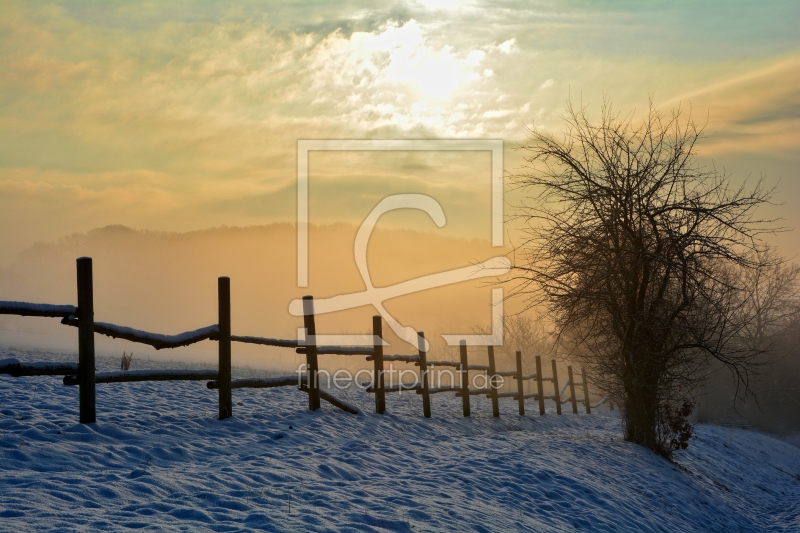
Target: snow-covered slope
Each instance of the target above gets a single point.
(158, 460)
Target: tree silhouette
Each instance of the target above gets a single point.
(637, 252)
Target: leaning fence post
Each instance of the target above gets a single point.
(463, 370)
(423, 376)
(586, 401)
(224, 300)
(557, 394)
(539, 384)
(86, 393)
(520, 386)
(377, 360)
(572, 391)
(312, 362)
(493, 384)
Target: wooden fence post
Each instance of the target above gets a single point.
(520, 386)
(423, 376)
(312, 362)
(586, 401)
(539, 384)
(86, 393)
(493, 384)
(557, 393)
(224, 301)
(463, 370)
(572, 390)
(377, 360)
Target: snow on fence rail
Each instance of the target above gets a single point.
(264, 341)
(16, 369)
(338, 350)
(84, 376)
(129, 376)
(31, 309)
(156, 340)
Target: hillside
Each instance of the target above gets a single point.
(158, 460)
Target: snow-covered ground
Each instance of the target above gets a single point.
(159, 460)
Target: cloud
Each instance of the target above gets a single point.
(149, 114)
(785, 69)
(498, 113)
(757, 111)
(394, 63)
(509, 46)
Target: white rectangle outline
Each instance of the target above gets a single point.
(495, 146)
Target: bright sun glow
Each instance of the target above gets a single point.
(435, 75)
(398, 57)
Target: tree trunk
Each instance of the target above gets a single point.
(640, 382)
(640, 416)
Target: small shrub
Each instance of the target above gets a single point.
(125, 364)
(674, 429)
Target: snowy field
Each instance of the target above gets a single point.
(158, 460)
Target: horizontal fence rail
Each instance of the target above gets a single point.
(264, 341)
(156, 340)
(31, 309)
(444, 363)
(401, 358)
(130, 376)
(474, 392)
(16, 369)
(603, 400)
(338, 350)
(439, 390)
(262, 383)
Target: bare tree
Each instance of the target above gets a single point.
(635, 250)
(527, 334)
(772, 298)
(523, 332)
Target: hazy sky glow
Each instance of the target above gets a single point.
(185, 115)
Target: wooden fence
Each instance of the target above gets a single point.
(83, 373)
(493, 378)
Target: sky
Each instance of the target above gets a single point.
(179, 116)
